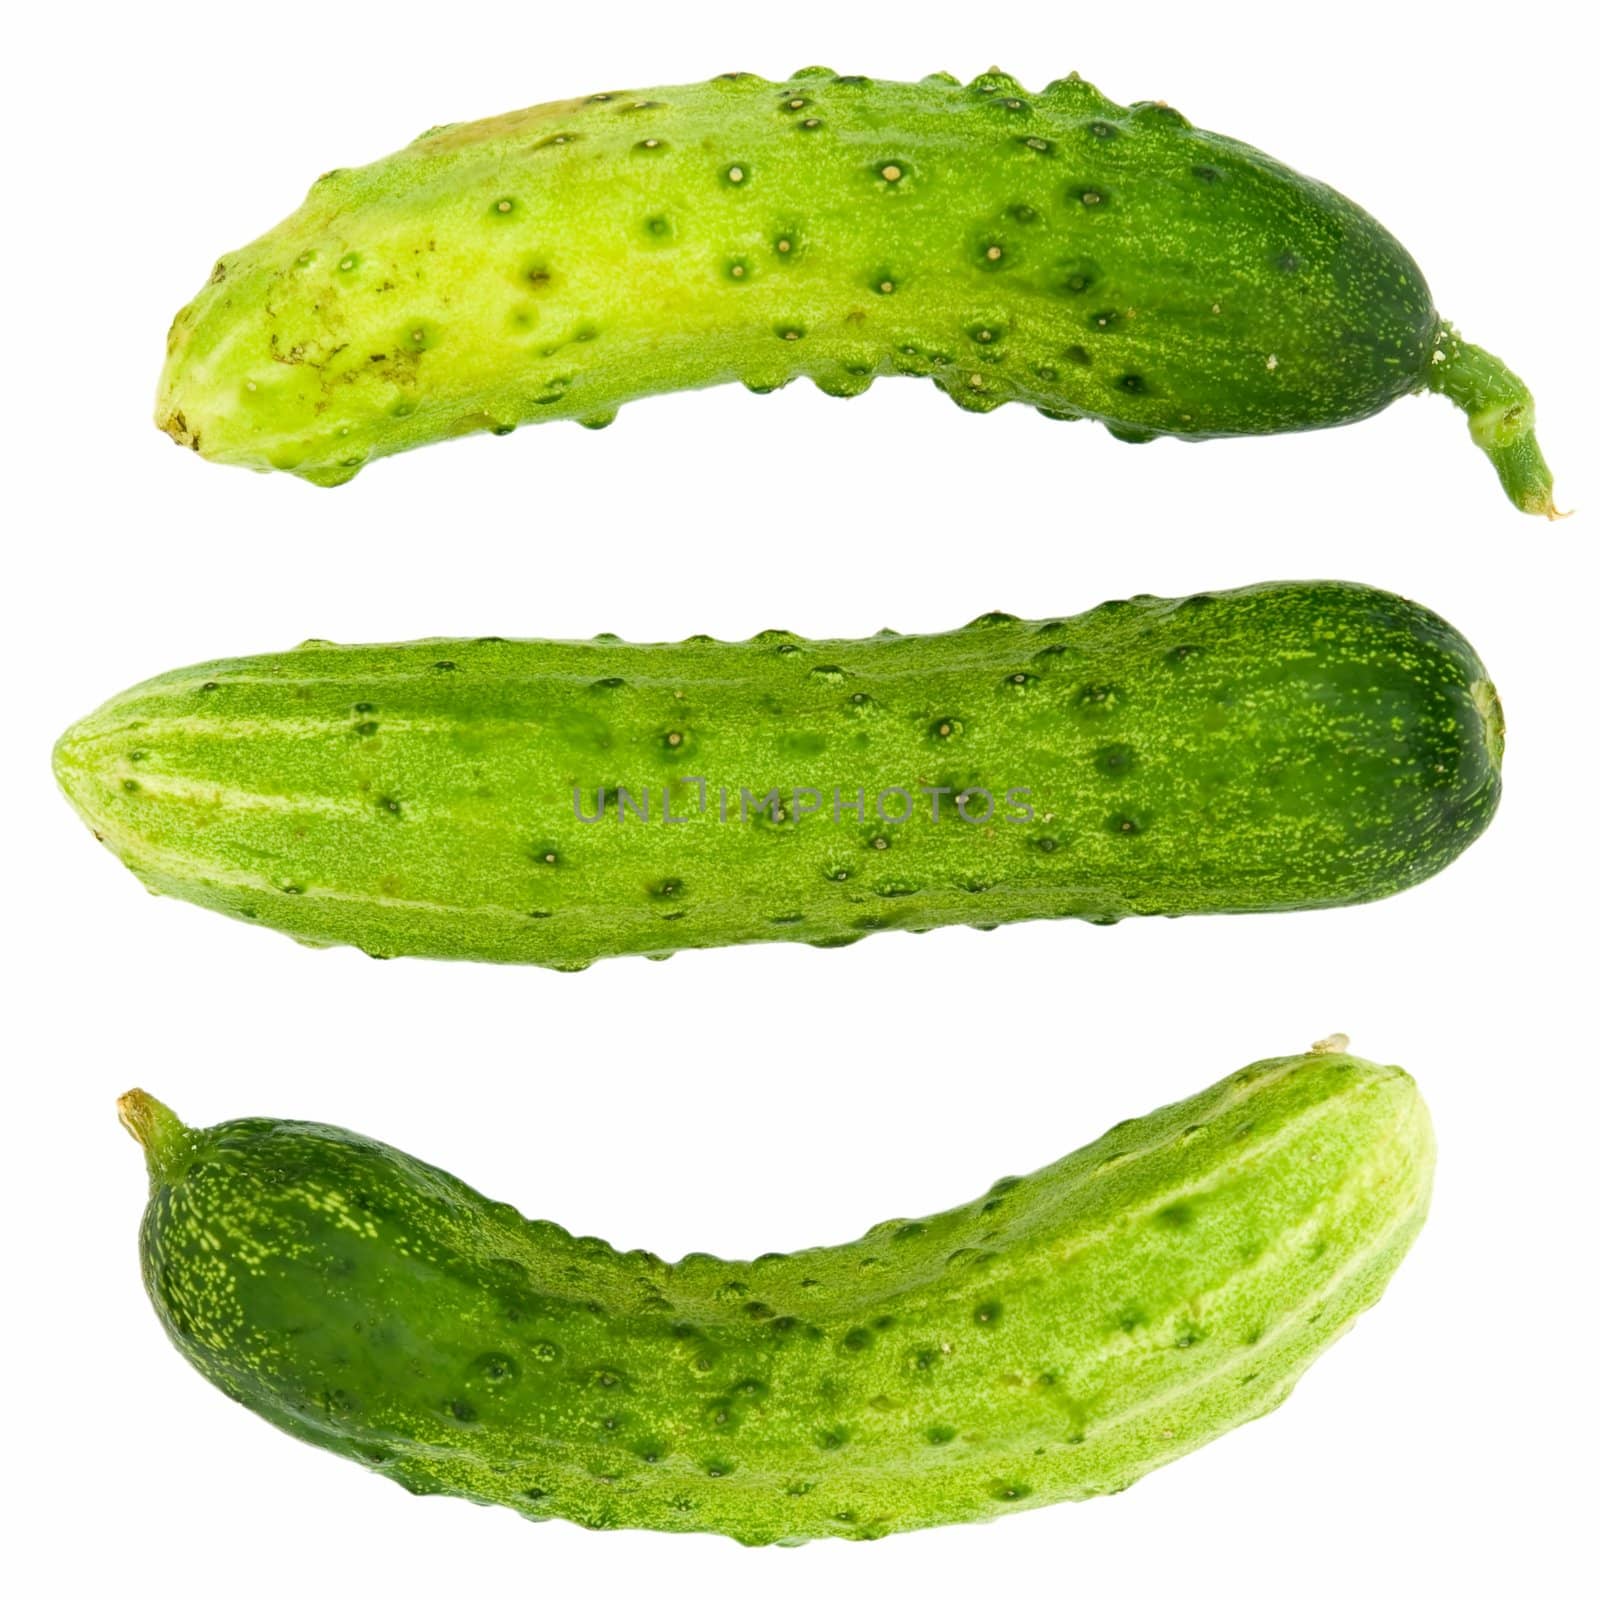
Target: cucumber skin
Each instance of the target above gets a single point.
(1279, 747)
(553, 263)
(1056, 1339)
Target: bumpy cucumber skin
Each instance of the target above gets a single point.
(1279, 747)
(1081, 257)
(1056, 1339)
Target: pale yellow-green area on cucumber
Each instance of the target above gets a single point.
(1056, 1338)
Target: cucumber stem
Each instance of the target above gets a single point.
(1500, 414)
(165, 1140)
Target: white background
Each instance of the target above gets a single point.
(768, 1098)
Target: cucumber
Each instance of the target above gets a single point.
(1084, 258)
(1284, 746)
(1055, 1339)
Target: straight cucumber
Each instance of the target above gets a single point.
(1055, 1339)
(1266, 749)
(1054, 249)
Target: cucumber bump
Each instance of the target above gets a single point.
(1053, 249)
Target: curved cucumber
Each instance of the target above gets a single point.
(1265, 749)
(1055, 1339)
(1084, 258)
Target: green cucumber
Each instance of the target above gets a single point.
(1084, 258)
(1285, 746)
(1056, 1339)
